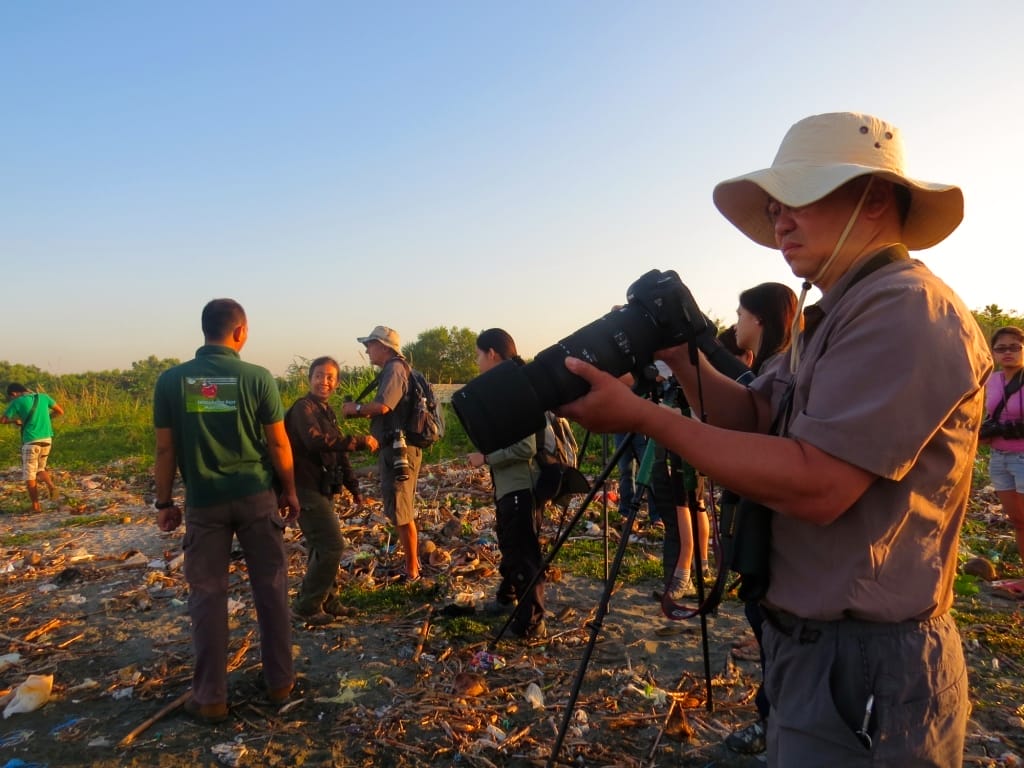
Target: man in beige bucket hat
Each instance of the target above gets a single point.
(860, 447)
(398, 463)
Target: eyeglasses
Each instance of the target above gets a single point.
(1003, 349)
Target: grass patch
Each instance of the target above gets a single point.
(586, 558)
(22, 539)
(465, 628)
(394, 597)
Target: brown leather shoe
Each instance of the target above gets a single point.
(209, 714)
(280, 695)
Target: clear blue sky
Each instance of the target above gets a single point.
(335, 165)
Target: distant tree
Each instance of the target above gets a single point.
(142, 376)
(446, 355)
(29, 375)
(992, 317)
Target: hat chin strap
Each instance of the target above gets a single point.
(794, 347)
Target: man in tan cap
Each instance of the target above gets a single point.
(861, 444)
(398, 463)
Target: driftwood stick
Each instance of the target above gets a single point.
(239, 656)
(424, 631)
(141, 727)
(51, 624)
(28, 643)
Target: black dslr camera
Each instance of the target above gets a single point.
(332, 479)
(508, 402)
(1009, 430)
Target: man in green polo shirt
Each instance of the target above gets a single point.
(32, 411)
(220, 422)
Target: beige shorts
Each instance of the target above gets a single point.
(33, 458)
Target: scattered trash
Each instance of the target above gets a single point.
(229, 753)
(469, 684)
(81, 555)
(71, 729)
(86, 685)
(137, 560)
(14, 738)
(483, 660)
(534, 696)
(123, 693)
(30, 695)
(9, 660)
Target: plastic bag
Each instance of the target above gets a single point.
(30, 695)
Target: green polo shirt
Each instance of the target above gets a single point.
(36, 423)
(216, 406)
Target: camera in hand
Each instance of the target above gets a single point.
(332, 479)
(1008, 430)
(400, 457)
(508, 402)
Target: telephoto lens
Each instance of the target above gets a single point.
(400, 459)
(508, 402)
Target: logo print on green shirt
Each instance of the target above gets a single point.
(211, 394)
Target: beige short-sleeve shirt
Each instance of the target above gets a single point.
(892, 381)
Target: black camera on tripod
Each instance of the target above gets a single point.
(508, 402)
(1008, 430)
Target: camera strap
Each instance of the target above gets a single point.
(368, 388)
(814, 315)
(1010, 389)
(28, 416)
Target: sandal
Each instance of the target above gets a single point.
(749, 740)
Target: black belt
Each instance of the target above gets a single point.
(801, 630)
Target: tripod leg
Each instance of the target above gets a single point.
(705, 645)
(595, 627)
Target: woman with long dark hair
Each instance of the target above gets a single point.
(517, 517)
(764, 322)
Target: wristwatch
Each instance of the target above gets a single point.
(164, 504)
(359, 407)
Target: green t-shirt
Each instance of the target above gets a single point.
(38, 426)
(216, 406)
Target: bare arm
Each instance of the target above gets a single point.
(790, 476)
(367, 410)
(56, 410)
(280, 451)
(165, 469)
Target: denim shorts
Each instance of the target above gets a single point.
(1006, 470)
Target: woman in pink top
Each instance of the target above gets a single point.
(1006, 464)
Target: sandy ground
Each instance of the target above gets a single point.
(101, 608)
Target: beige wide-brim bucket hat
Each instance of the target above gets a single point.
(821, 153)
(386, 336)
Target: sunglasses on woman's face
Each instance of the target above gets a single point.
(1004, 349)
